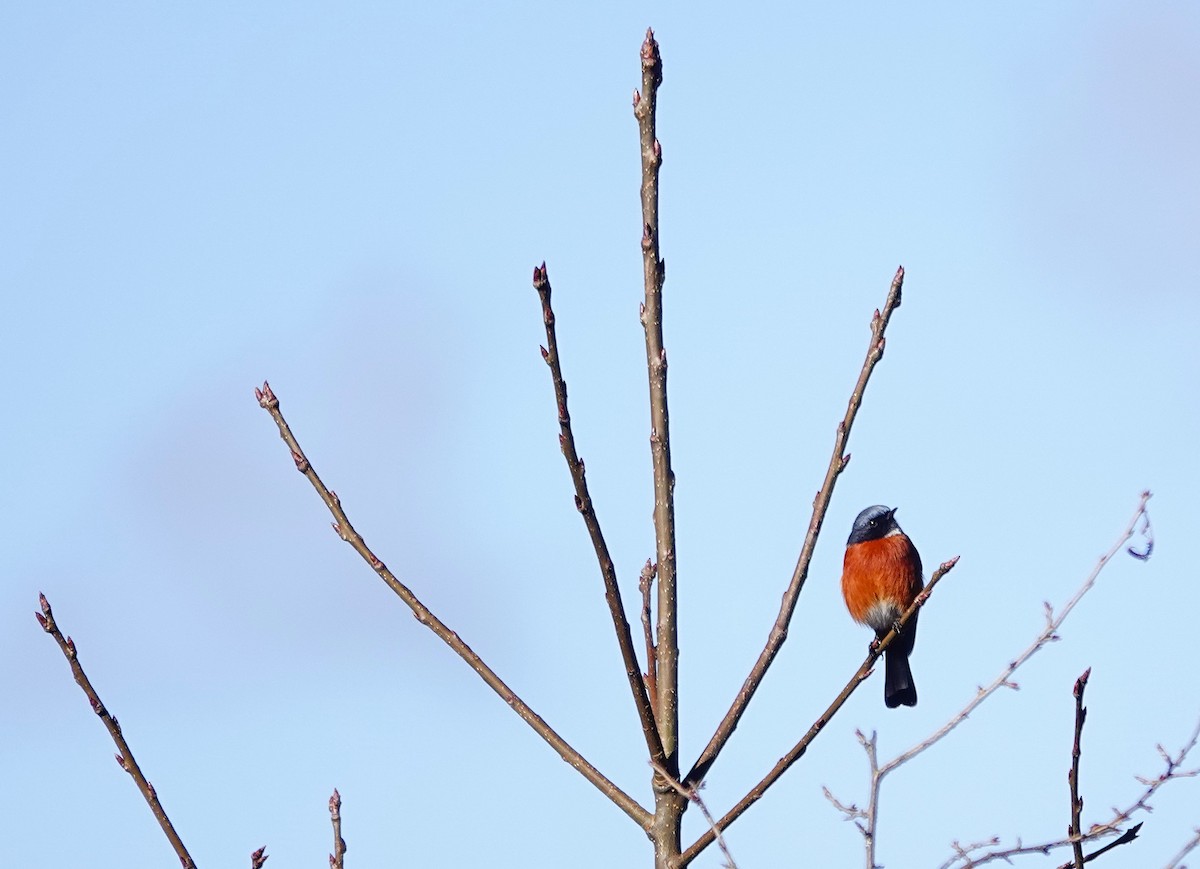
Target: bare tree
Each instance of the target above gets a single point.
(654, 679)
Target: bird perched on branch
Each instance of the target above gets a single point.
(881, 577)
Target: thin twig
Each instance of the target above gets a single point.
(693, 794)
(583, 503)
(1073, 828)
(1128, 836)
(1048, 635)
(337, 860)
(874, 652)
(1120, 817)
(124, 754)
(1188, 847)
(654, 273)
(343, 528)
(645, 586)
(837, 464)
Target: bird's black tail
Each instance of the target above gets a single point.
(898, 686)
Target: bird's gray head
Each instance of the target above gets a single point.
(874, 523)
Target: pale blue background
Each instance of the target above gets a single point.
(349, 199)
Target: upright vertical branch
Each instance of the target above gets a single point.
(337, 860)
(583, 503)
(837, 464)
(1073, 776)
(654, 272)
(669, 804)
(124, 752)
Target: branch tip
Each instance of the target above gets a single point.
(1082, 681)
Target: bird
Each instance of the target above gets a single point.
(881, 577)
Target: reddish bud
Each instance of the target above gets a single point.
(545, 353)
(578, 503)
(337, 529)
(97, 706)
(845, 460)
(657, 150)
(637, 97)
(71, 647)
(121, 762)
(45, 604)
(266, 397)
(1082, 681)
(43, 622)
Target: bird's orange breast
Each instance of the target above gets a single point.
(879, 576)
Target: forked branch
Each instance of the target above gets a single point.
(969, 858)
(867, 819)
(837, 464)
(343, 528)
(654, 271)
(875, 651)
(583, 503)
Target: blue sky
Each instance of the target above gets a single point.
(350, 200)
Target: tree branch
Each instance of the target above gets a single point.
(337, 860)
(1073, 775)
(1120, 817)
(645, 586)
(837, 464)
(654, 273)
(341, 525)
(1189, 846)
(583, 503)
(875, 651)
(1128, 836)
(1048, 634)
(669, 805)
(693, 795)
(124, 753)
